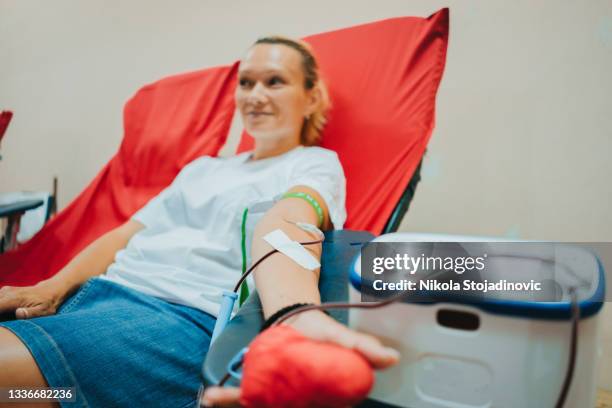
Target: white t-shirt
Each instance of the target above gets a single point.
(190, 248)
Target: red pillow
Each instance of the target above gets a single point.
(383, 78)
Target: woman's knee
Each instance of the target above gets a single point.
(19, 368)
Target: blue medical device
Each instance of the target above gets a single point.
(225, 312)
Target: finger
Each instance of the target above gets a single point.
(369, 347)
(377, 354)
(21, 313)
(30, 312)
(221, 397)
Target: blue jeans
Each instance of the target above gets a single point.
(119, 347)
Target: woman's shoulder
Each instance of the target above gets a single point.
(320, 153)
(202, 165)
(210, 161)
(316, 159)
(197, 164)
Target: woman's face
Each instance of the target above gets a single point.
(270, 95)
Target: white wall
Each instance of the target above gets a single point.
(524, 130)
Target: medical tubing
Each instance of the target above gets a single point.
(344, 305)
(260, 260)
(225, 312)
(569, 374)
(227, 376)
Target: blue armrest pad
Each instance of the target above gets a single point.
(339, 250)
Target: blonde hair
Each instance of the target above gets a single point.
(313, 125)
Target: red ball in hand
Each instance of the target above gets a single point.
(283, 368)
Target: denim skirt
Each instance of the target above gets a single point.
(119, 347)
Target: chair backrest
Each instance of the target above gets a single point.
(382, 78)
(401, 208)
(167, 124)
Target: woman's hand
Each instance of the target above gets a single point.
(27, 302)
(318, 326)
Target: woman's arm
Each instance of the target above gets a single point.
(43, 298)
(281, 281)
(95, 258)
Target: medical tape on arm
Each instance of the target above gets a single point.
(282, 243)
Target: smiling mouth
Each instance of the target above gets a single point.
(257, 114)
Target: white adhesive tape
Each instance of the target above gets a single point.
(281, 242)
(310, 228)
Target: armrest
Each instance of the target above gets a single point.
(339, 250)
(19, 207)
(13, 212)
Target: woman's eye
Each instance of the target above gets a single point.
(275, 81)
(244, 83)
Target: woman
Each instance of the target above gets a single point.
(139, 331)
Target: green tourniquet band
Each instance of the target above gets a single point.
(244, 288)
(310, 199)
